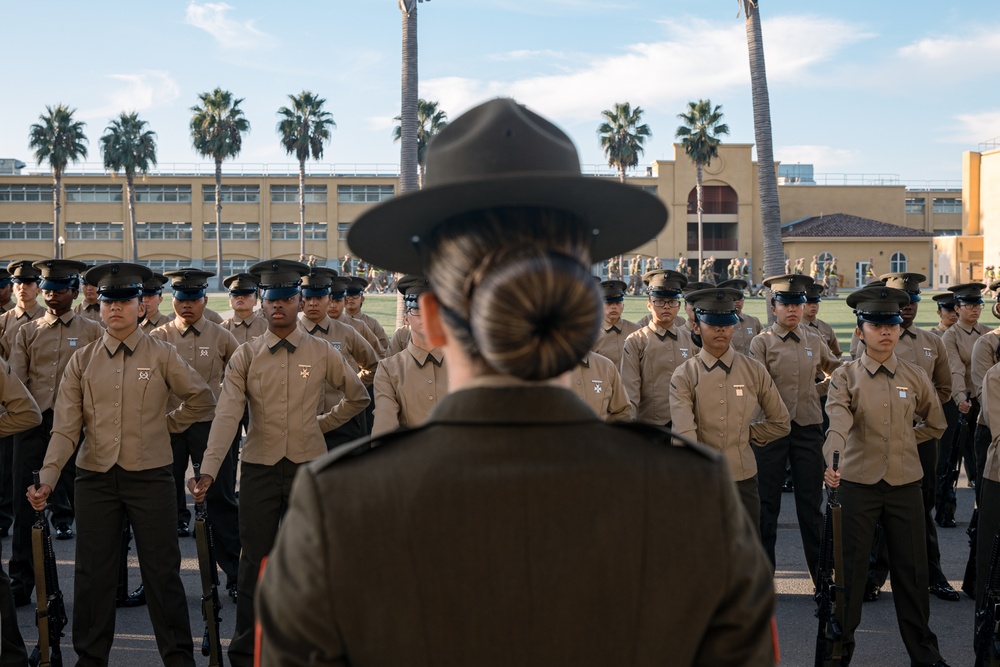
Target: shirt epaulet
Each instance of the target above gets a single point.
(361, 446)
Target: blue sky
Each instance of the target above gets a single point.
(856, 86)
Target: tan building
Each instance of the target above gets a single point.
(176, 218)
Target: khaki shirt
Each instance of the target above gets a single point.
(799, 362)
(878, 417)
(400, 339)
(744, 331)
(958, 341)
(991, 401)
(985, 355)
(20, 412)
(938, 330)
(42, 350)
(376, 328)
(158, 320)
(361, 357)
(598, 383)
(408, 386)
(246, 330)
(13, 320)
(827, 333)
(7, 306)
(92, 311)
(649, 358)
(714, 401)
(611, 339)
(118, 391)
(206, 346)
(365, 332)
(285, 391)
(212, 316)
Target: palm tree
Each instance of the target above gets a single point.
(60, 140)
(217, 129)
(767, 179)
(700, 137)
(622, 136)
(304, 129)
(430, 121)
(128, 146)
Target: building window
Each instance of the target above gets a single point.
(823, 260)
(289, 194)
(717, 236)
(289, 231)
(342, 229)
(231, 266)
(25, 231)
(715, 200)
(897, 263)
(651, 189)
(163, 231)
(363, 194)
(164, 265)
(947, 205)
(94, 231)
(233, 231)
(947, 232)
(915, 204)
(232, 194)
(168, 194)
(26, 193)
(94, 194)
(860, 274)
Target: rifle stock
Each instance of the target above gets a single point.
(211, 646)
(947, 500)
(50, 613)
(988, 613)
(830, 584)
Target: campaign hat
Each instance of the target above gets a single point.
(664, 282)
(789, 288)
(715, 306)
(241, 283)
(613, 291)
(189, 284)
(279, 278)
(119, 281)
(908, 282)
(411, 287)
(23, 271)
(502, 155)
(879, 305)
(59, 273)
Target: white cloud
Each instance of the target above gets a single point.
(956, 53)
(823, 158)
(699, 58)
(974, 128)
(229, 33)
(136, 92)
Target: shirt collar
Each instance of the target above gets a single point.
(112, 344)
(725, 362)
(423, 356)
(872, 366)
(293, 339)
(30, 313)
(616, 327)
(195, 328)
(661, 333)
(503, 400)
(311, 327)
(247, 322)
(908, 331)
(784, 333)
(52, 320)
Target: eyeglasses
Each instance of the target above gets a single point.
(413, 312)
(665, 303)
(56, 292)
(972, 306)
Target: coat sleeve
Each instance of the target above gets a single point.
(297, 577)
(386, 402)
(631, 373)
(740, 631)
(983, 358)
(958, 390)
(619, 407)
(776, 423)
(838, 410)
(188, 385)
(67, 419)
(929, 410)
(21, 410)
(684, 421)
(229, 411)
(941, 376)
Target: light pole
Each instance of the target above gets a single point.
(62, 244)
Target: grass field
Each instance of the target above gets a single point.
(833, 311)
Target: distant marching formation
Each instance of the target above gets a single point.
(109, 400)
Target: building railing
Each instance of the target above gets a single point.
(234, 169)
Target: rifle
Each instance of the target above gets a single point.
(947, 501)
(987, 643)
(969, 580)
(830, 584)
(210, 605)
(50, 615)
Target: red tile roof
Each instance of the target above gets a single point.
(842, 224)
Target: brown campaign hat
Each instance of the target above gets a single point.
(734, 283)
(613, 291)
(695, 286)
(968, 292)
(189, 284)
(502, 155)
(318, 282)
(411, 287)
(119, 281)
(241, 283)
(357, 286)
(59, 273)
(945, 300)
(789, 288)
(24, 271)
(879, 305)
(908, 282)
(716, 305)
(664, 282)
(5, 277)
(279, 278)
(814, 293)
(338, 287)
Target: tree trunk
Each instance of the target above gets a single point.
(302, 209)
(218, 224)
(130, 194)
(701, 210)
(408, 174)
(767, 179)
(56, 210)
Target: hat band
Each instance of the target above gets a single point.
(790, 297)
(26, 279)
(50, 284)
(278, 292)
(717, 318)
(242, 291)
(119, 293)
(664, 291)
(355, 292)
(614, 299)
(308, 291)
(188, 293)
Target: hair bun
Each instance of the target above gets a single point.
(535, 314)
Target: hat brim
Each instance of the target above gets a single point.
(49, 285)
(621, 217)
(790, 299)
(717, 319)
(182, 294)
(119, 294)
(309, 292)
(881, 318)
(278, 293)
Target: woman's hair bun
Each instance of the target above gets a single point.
(535, 313)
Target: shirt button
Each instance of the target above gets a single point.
(428, 382)
(722, 401)
(282, 382)
(116, 421)
(432, 382)
(118, 371)
(885, 405)
(54, 363)
(282, 365)
(116, 405)
(884, 422)
(117, 387)
(282, 434)
(282, 399)
(282, 416)
(116, 439)
(720, 386)
(430, 398)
